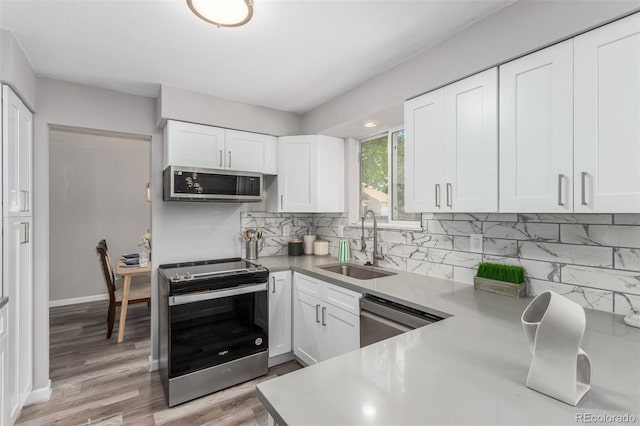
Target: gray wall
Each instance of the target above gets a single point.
(181, 231)
(511, 32)
(74, 105)
(179, 104)
(15, 69)
(96, 190)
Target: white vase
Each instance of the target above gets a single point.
(554, 326)
(143, 259)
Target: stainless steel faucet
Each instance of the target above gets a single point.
(376, 256)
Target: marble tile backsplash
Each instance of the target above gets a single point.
(586, 257)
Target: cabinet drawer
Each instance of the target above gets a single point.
(309, 285)
(344, 299)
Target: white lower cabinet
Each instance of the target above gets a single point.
(280, 313)
(324, 326)
(18, 287)
(5, 385)
(308, 332)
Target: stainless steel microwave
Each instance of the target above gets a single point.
(195, 184)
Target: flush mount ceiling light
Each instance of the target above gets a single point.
(223, 13)
(370, 124)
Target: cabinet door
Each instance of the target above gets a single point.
(307, 328)
(250, 152)
(18, 283)
(25, 154)
(14, 201)
(607, 117)
(4, 357)
(536, 132)
(193, 145)
(342, 331)
(471, 133)
(280, 313)
(424, 152)
(330, 168)
(297, 174)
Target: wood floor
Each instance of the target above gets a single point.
(100, 382)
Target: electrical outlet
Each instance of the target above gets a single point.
(340, 231)
(286, 231)
(476, 243)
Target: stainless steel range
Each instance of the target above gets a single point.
(213, 326)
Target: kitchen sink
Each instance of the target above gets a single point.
(357, 272)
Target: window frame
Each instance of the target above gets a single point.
(389, 223)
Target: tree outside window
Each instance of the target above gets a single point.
(382, 177)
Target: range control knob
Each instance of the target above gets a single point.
(188, 276)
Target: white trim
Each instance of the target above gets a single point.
(76, 300)
(154, 364)
(39, 395)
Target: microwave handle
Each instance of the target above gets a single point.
(219, 294)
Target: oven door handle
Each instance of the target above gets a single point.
(218, 294)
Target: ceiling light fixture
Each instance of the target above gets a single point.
(370, 124)
(223, 13)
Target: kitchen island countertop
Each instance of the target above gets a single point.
(470, 368)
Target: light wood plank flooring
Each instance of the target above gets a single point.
(100, 382)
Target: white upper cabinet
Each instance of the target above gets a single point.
(451, 141)
(251, 151)
(310, 174)
(196, 145)
(471, 141)
(193, 145)
(607, 118)
(17, 137)
(424, 152)
(536, 132)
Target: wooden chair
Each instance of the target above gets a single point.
(140, 291)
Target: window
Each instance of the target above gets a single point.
(382, 177)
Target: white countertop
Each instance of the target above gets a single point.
(470, 368)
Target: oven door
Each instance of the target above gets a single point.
(213, 328)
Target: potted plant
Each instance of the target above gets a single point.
(507, 280)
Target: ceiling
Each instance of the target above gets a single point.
(293, 55)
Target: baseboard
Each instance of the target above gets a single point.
(39, 395)
(281, 359)
(76, 300)
(154, 364)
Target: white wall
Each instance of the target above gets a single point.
(96, 190)
(511, 32)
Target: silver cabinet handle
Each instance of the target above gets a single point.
(449, 194)
(317, 313)
(282, 201)
(324, 315)
(229, 159)
(25, 240)
(437, 195)
(220, 159)
(583, 184)
(273, 281)
(560, 177)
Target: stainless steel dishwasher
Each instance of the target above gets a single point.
(381, 319)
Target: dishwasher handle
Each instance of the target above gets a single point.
(395, 325)
(390, 311)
